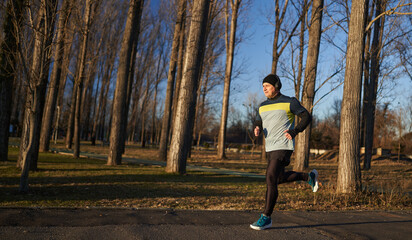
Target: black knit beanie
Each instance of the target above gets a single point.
(274, 80)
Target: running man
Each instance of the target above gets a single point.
(278, 125)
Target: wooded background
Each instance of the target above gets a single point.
(159, 74)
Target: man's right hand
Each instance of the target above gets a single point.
(257, 131)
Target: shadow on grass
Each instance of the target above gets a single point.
(130, 186)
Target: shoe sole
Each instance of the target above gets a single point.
(261, 228)
(316, 187)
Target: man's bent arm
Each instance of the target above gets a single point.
(305, 119)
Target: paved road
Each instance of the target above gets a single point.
(125, 223)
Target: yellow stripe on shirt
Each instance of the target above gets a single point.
(278, 106)
(275, 106)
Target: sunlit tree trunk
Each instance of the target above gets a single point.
(179, 73)
(349, 175)
(230, 41)
(171, 81)
(308, 93)
(119, 118)
(183, 124)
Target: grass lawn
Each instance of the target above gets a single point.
(62, 181)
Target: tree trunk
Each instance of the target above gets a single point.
(36, 90)
(301, 50)
(308, 93)
(8, 62)
(376, 50)
(70, 124)
(230, 51)
(65, 69)
(119, 118)
(366, 68)
(80, 78)
(183, 124)
(179, 73)
(54, 79)
(171, 81)
(349, 175)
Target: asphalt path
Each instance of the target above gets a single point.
(127, 223)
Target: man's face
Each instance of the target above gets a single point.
(269, 90)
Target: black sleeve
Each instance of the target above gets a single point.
(305, 119)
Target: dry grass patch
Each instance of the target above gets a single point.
(66, 182)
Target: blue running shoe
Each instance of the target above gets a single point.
(263, 223)
(313, 180)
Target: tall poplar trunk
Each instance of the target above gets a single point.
(183, 124)
(181, 15)
(36, 90)
(349, 175)
(78, 89)
(8, 63)
(54, 79)
(230, 51)
(308, 93)
(119, 117)
(376, 50)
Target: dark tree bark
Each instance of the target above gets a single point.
(376, 50)
(36, 90)
(183, 125)
(8, 63)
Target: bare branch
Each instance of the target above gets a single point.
(391, 11)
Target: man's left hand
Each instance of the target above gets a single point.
(290, 134)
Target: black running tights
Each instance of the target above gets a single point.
(275, 174)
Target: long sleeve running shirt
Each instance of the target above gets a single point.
(277, 115)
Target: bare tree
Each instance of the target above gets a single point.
(106, 53)
(181, 15)
(252, 116)
(308, 93)
(183, 124)
(371, 83)
(36, 89)
(230, 40)
(54, 78)
(119, 117)
(349, 179)
(79, 82)
(8, 65)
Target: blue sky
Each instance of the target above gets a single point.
(255, 53)
(258, 52)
